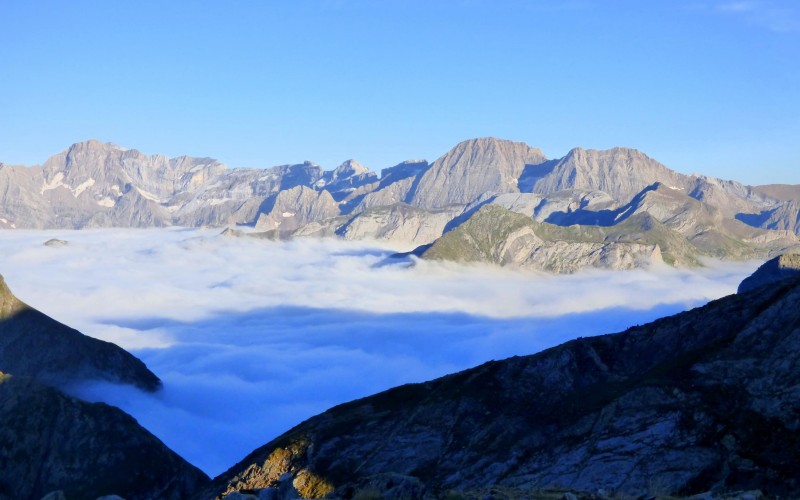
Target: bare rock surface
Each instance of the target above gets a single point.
(297, 207)
(94, 184)
(702, 403)
(472, 169)
(401, 225)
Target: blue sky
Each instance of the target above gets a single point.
(708, 86)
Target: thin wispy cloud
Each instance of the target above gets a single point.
(777, 16)
(251, 337)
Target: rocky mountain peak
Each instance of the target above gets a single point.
(475, 168)
(349, 168)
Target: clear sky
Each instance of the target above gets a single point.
(707, 86)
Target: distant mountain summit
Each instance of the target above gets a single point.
(94, 184)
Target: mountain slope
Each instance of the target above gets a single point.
(472, 169)
(499, 236)
(35, 345)
(706, 400)
(53, 442)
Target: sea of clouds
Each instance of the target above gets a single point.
(251, 337)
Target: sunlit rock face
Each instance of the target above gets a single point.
(704, 401)
(94, 184)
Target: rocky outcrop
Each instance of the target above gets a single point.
(619, 172)
(472, 169)
(704, 402)
(37, 346)
(297, 207)
(773, 271)
(499, 236)
(704, 225)
(52, 442)
(402, 225)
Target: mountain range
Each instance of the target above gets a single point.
(414, 203)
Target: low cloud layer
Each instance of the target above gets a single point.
(251, 337)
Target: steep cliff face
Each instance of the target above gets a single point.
(706, 400)
(35, 345)
(52, 442)
(296, 207)
(402, 225)
(474, 168)
(619, 172)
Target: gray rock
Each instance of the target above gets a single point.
(474, 168)
(296, 207)
(402, 225)
(771, 272)
(54, 242)
(704, 402)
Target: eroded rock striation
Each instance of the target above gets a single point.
(704, 401)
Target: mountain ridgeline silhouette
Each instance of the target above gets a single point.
(414, 203)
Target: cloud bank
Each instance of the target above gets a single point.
(251, 337)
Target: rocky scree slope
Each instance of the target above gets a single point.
(706, 400)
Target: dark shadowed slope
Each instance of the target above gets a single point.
(707, 400)
(52, 442)
(35, 345)
(774, 270)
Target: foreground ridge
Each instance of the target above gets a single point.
(701, 401)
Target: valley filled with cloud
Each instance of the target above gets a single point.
(250, 337)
